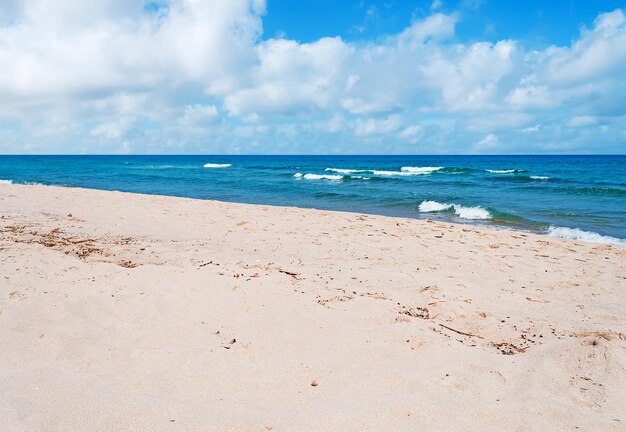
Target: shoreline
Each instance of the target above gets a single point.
(567, 232)
(128, 311)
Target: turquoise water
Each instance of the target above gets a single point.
(580, 197)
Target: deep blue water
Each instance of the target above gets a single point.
(543, 193)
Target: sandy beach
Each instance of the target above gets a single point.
(125, 312)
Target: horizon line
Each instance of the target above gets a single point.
(308, 154)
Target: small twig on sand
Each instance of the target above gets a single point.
(460, 332)
(290, 273)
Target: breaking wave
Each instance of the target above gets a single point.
(508, 171)
(33, 183)
(472, 213)
(420, 170)
(346, 171)
(433, 206)
(587, 236)
(404, 171)
(214, 165)
(392, 173)
(331, 177)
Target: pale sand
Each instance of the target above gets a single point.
(123, 312)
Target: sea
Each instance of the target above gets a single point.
(576, 197)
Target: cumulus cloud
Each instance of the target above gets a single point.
(85, 49)
(471, 78)
(291, 77)
(599, 52)
(131, 75)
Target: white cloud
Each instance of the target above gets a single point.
(412, 133)
(113, 130)
(436, 5)
(89, 76)
(532, 129)
(488, 144)
(198, 115)
(470, 77)
(531, 97)
(581, 121)
(335, 125)
(291, 76)
(436, 26)
(600, 51)
(362, 106)
(490, 122)
(373, 126)
(84, 49)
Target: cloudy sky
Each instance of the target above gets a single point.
(312, 76)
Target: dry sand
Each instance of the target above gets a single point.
(123, 312)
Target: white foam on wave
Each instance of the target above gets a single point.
(360, 177)
(433, 206)
(22, 182)
(404, 171)
(473, 213)
(345, 170)
(509, 171)
(213, 165)
(420, 170)
(392, 173)
(539, 177)
(408, 171)
(330, 177)
(586, 236)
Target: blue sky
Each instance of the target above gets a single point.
(538, 23)
(312, 76)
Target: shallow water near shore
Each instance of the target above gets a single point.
(579, 197)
